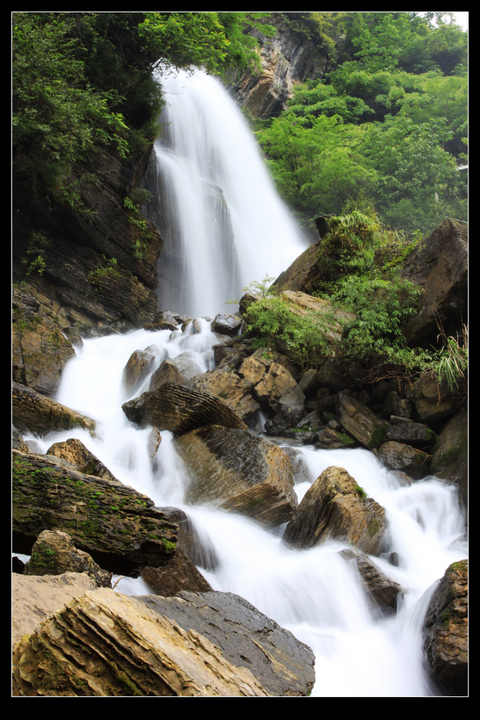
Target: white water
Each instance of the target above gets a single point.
(224, 225)
(314, 593)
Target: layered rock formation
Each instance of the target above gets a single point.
(154, 646)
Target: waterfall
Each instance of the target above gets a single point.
(222, 223)
(228, 223)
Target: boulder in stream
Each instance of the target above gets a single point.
(238, 471)
(336, 508)
(180, 409)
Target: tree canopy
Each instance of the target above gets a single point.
(83, 79)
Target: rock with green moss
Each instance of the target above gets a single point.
(119, 527)
(54, 553)
(445, 631)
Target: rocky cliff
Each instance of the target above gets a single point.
(288, 58)
(91, 264)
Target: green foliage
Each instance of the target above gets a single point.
(108, 270)
(453, 359)
(83, 80)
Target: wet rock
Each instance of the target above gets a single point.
(180, 409)
(179, 574)
(36, 413)
(139, 364)
(238, 471)
(118, 526)
(384, 592)
(398, 456)
(446, 631)
(335, 507)
(226, 324)
(194, 541)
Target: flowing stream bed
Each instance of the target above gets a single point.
(314, 593)
(225, 227)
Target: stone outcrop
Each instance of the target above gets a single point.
(153, 646)
(180, 409)
(439, 265)
(446, 631)
(238, 471)
(119, 527)
(336, 508)
(36, 413)
(40, 349)
(80, 243)
(433, 399)
(288, 58)
(54, 553)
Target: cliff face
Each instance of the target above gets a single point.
(98, 262)
(287, 59)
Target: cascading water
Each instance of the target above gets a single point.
(222, 223)
(314, 593)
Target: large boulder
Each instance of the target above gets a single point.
(439, 265)
(139, 364)
(36, 413)
(154, 646)
(119, 527)
(238, 471)
(336, 508)
(445, 631)
(180, 409)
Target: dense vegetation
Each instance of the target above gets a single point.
(387, 124)
(359, 271)
(84, 79)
